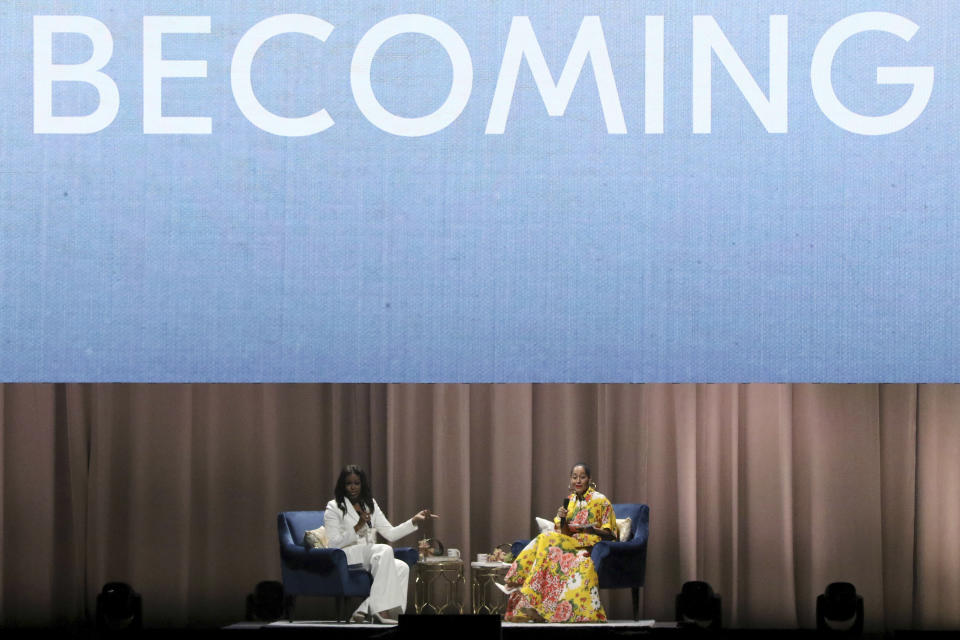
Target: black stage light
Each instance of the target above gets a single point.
(119, 608)
(482, 626)
(840, 609)
(698, 606)
(267, 602)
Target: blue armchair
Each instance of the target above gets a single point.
(321, 572)
(620, 564)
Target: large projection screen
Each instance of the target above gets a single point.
(477, 191)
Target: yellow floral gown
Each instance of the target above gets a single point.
(558, 579)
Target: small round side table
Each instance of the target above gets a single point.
(485, 596)
(438, 586)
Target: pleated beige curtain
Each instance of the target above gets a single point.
(768, 492)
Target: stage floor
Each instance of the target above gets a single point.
(327, 624)
(456, 625)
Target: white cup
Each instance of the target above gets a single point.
(453, 553)
(482, 557)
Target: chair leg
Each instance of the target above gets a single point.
(340, 617)
(635, 595)
(288, 604)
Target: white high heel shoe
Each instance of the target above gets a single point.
(381, 620)
(359, 617)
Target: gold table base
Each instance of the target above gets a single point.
(438, 587)
(485, 597)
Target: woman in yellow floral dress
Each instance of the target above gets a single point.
(553, 578)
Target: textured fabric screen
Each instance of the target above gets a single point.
(768, 492)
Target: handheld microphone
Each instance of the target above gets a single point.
(566, 505)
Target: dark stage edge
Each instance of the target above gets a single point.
(464, 631)
(462, 627)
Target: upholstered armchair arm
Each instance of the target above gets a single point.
(315, 560)
(518, 546)
(620, 564)
(407, 554)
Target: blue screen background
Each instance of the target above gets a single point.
(553, 252)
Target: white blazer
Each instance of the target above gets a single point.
(341, 535)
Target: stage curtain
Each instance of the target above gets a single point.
(768, 492)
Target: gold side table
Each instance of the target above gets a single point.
(485, 597)
(438, 586)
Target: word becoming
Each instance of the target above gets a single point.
(521, 46)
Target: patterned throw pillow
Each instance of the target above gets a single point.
(315, 538)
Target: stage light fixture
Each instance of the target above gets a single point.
(418, 627)
(698, 606)
(267, 602)
(119, 608)
(840, 609)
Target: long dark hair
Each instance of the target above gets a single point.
(340, 491)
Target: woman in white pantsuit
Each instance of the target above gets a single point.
(352, 521)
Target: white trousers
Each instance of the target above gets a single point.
(390, 578)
